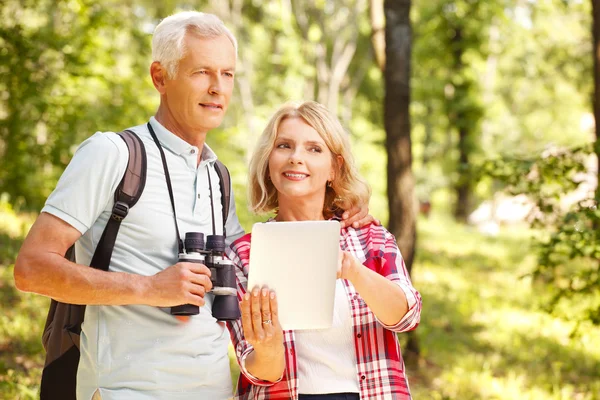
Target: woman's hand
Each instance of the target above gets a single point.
(260, 322)
(348, 266)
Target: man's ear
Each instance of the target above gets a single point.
(159, 76)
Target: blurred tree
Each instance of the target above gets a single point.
(451, 45)
(67, 69)
(568, 244)
(400, 186)
(596, 101)
(397, 126)
(330, 45)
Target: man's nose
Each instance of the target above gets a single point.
(215, 85)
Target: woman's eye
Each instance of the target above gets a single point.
(315, 149)
(283, 146)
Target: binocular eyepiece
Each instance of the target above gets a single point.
(225, 306)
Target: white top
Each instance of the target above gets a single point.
(142, 352)
(327, 358)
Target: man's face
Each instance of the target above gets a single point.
(198, 95)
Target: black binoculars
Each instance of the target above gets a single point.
(225, 306)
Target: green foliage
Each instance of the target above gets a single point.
(568, 247)
(67, 70)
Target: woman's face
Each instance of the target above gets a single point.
(300, 161)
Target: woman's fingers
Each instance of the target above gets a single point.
(245, 308)
(256, 313)
(274, 310)
(260, 319)
(265, 310)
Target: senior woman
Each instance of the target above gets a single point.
(303, 170)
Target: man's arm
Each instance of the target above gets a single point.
(41, 268)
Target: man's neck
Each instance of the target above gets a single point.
(165, 118)
(195, 138)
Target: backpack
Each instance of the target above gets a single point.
(62, 330)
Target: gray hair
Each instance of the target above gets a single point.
(168, 38)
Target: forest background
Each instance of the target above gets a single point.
(473, 121)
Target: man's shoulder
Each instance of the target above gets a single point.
(109, 141)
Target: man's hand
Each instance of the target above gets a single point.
(357, 217)
(182, 283)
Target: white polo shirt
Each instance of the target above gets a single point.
(142, 352)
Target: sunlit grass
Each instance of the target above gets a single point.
(483, 333)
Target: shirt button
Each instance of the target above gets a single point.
(359, 336)
(193, 151)
(363, 377)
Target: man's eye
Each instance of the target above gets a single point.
(228, 74)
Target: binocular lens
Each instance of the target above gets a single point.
(194, 242)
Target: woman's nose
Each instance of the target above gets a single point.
(295, 158)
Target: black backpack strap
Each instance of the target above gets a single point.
(225, 186)
(127, 194)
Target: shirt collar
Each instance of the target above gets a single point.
(177, 145)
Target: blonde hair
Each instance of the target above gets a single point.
(348, 188)
(168, 46)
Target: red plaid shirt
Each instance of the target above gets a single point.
(380, 368)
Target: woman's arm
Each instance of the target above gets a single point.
(385, 298)
(385, 286)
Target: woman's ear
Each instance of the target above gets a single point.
(339, 160)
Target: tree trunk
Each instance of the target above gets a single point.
(596, 98)
(463, 186)
(459, 119)
(400, 181)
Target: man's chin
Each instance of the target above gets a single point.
(210, 123)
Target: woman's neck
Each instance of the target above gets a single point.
(300, 210)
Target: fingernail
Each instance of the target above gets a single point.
(246, 296)
(264, 292)
(272, 295)
(255, 293)
(345, 215)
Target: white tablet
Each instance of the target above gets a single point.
(299, 261)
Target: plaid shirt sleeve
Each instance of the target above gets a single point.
(376, 247)
(239, 254)
(392, 266)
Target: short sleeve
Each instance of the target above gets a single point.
(87, 185)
